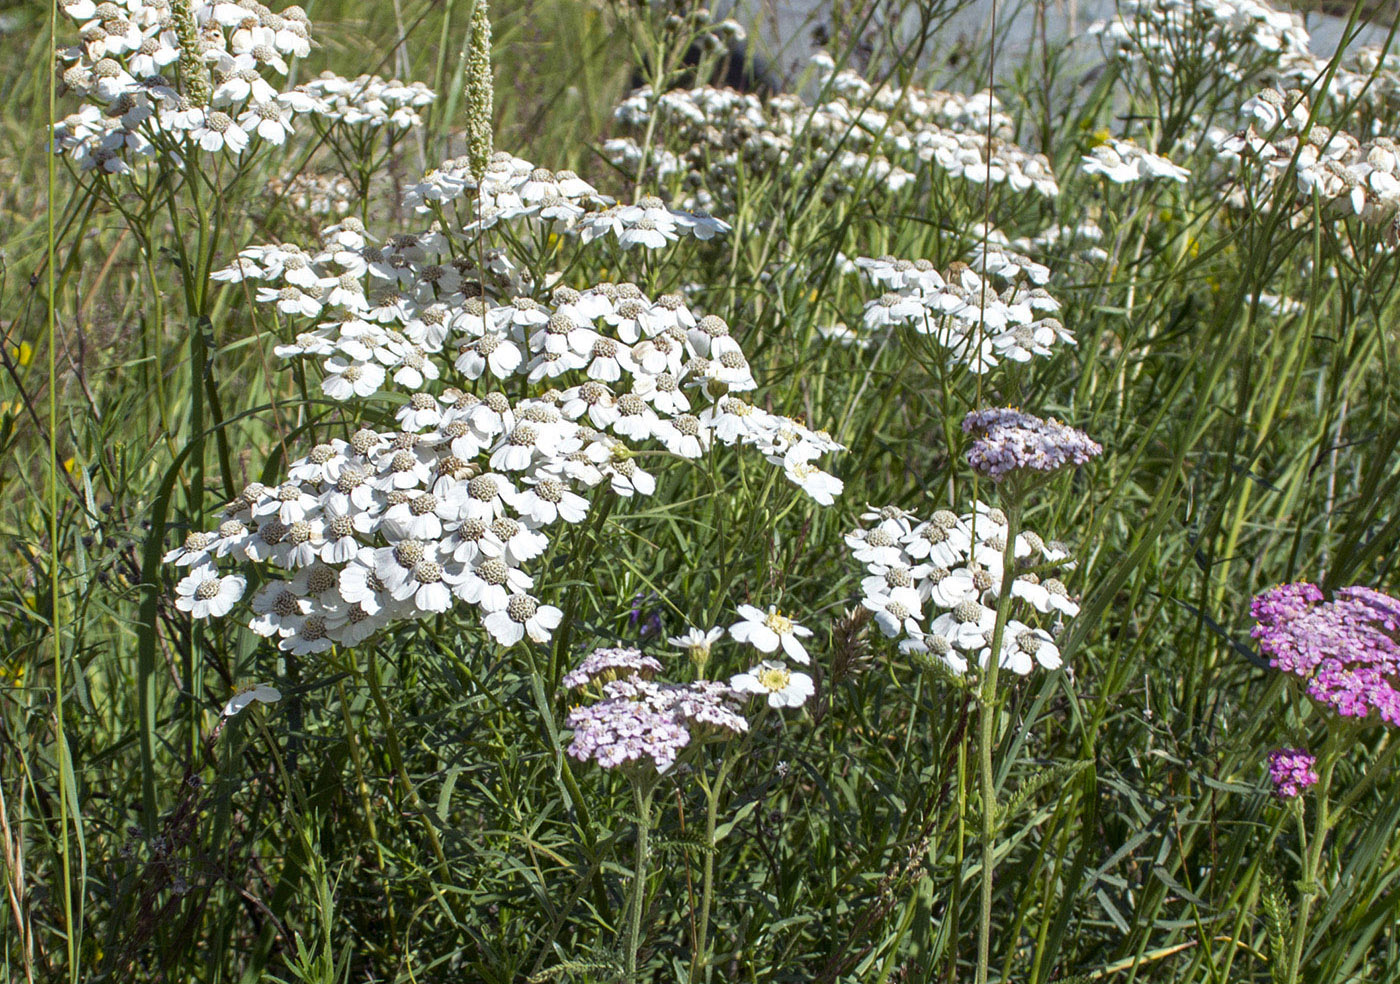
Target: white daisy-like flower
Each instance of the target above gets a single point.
(822, 486)
(345, 380)
(1022, 647)
(696, 642)
(268, 120)
(259, 693)
(523, 616)
(204, 594)
(782, 686)
(967, 625)
(766, 632)
(896, 611)
(217, 132)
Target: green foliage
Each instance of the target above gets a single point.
(410, 815)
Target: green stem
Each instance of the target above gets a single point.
(1312, 861)
(391, 735)
(700, 961)
(986, 738)
(641, 799)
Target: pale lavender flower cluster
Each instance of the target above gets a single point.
(933, 584)
(606, 664)
(1346, 650)
(1291, 771)
(1008, 440)
(640, 722)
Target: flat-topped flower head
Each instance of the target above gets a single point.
(622, 732)
(641, 723)
(203, 593)
(1291, 771)
(766, 632)
(1346, 651)
(607, 664)
(1008, 441)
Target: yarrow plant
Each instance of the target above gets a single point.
(1291, 772)
(549, 610)
(642, 728)
(854, 129)
(1008, 441)
(975, 325)
(934, 585)
(175, 78)
(394, 525)
(1345, 652)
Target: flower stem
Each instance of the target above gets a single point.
(986, 740)
(700, 961)
(1312, 861)
(641, 799)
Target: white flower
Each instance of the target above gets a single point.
(523, 616)
(967, 625)
(1022, 647)
(345, 380)
(261, 693)
(218, 131)
(783, 687)
(897, 611)
(203, 593)
(268, 120)
(821, 486)
(696, 643)
(766, 632)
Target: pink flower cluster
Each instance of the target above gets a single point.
(639, 722)
(1291, 771)
(1347, 650)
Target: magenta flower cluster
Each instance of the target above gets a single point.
(1291, 771)
(640, 722)
(1010, 440)
(1347, 650)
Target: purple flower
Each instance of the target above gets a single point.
(1291, 771)
(603, 665)
(1345, 650)
(646, 620)
(1008, 440)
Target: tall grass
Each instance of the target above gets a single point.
(408, 812)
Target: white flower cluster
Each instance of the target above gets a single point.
(148, 93)
(400, 525)
(1242, 37)
(710, 136)
(1354, 178)
(513, 189)
(1244, 41)
(933, 585)
(1125, 162)
(315, 194)
(976, 325)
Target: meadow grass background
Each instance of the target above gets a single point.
(1138, 840)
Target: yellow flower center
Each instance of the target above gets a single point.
(779, 622)
(774, 678)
